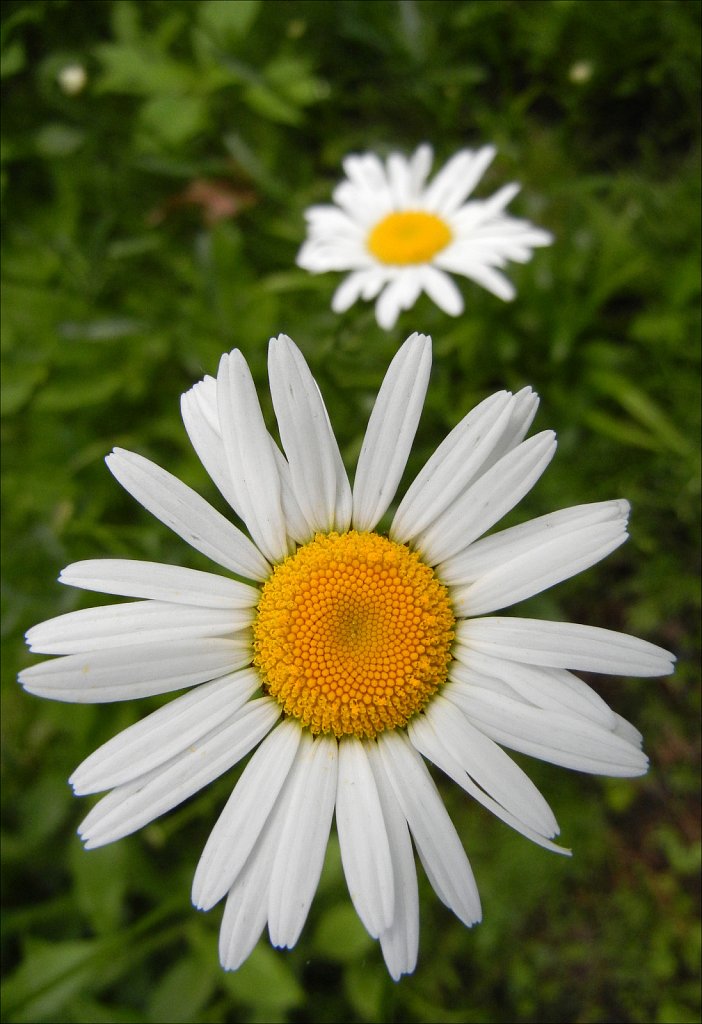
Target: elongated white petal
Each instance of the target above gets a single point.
(419, 166)
(349, 291)
(128, 577)
(428, 742)
(240, 823)
(457, 179)
(538, 569)
(317, 471)
(389, 304)
(207, 441)
(125, 673)
(451, 468)
(492, 769)
(442, 290)
(246, 908)
(627, 731)
(309, 799)
(251, 461)
(488, 499)
(501, 549)
(187, 514)
(551, 736)
(526, 403)
(390, 431)
(555, 689)
(295, 522)
(164, 733)
(400, 943)
(489, 279)
(563, 645)
(201, 418)
(131, 806)
(135, 622)
(365, 851)
(435, 837)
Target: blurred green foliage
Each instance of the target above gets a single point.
(153, 201)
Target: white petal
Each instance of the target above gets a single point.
(391, 429)
(535, 571)
(187, 514)
(501, 549)
(435, 837)
(627, 731)
(164, 733)
(526, 402)
(302, 843)
(564, 645)
(390, 305)
(399, 180)
(128, 577)
(441, 289)
(488, 499)
(457, 179)
(351, 289)
(246, 908)
(555, 689)
(295, 522)
(562, 739)
(427, 741)
(250, 458)
(493, 281)
(126, 673)
(492, 769)
(240, 823)
(134, 622)
(365, 852)
(208, 444)
(419, 167)
(457, 460)
(131, 806)
(400, 943)
(317, 471)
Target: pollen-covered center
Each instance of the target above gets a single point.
(412, 236)
(353, 634)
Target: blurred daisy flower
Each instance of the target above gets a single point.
(399, 236)
(341, 656)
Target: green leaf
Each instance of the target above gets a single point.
(227, 21)
(365, 988)
(12, 59)
(100, 880)
(57, 139)
(60, 396)
(173, 119)
(18, 385)
(183, 991)
(265, 980)
(49, 976)
(140, 71)
(340, 935)
(648, 415)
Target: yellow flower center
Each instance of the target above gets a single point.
(412, 236)
(353, 634)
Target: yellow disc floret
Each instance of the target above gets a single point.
(353, 634)
(411, 236)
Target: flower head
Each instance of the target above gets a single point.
(399, 236)
(341, 656)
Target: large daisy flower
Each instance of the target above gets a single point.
(343, 657)
(399, 236)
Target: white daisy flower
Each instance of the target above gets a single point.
(348, 657)
(399, 236)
